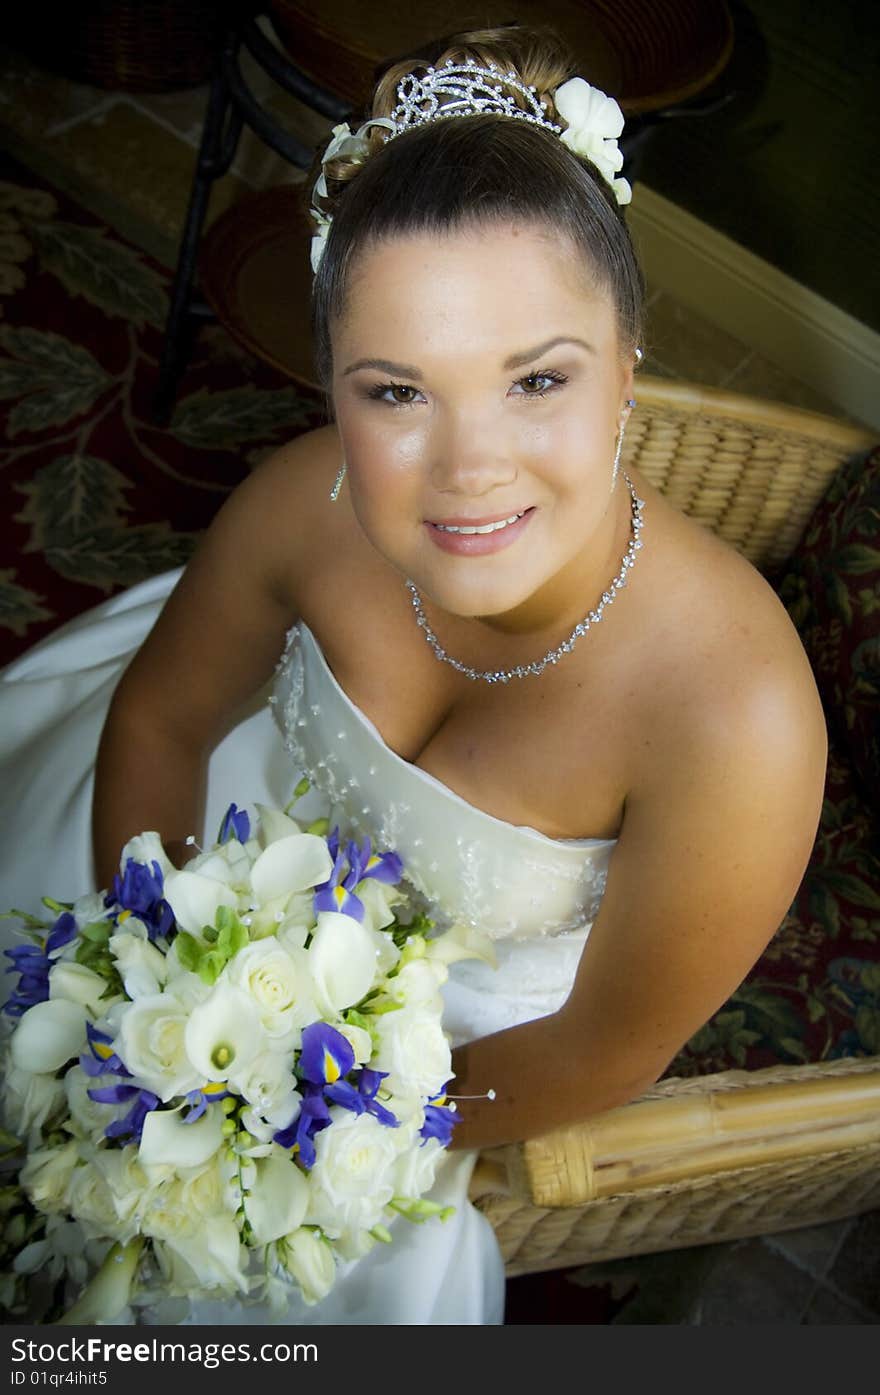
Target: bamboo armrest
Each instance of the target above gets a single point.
(690, 1128)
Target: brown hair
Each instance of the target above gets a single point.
(479, 170)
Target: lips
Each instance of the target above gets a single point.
(471, 537)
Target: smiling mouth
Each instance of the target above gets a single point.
(472, 528)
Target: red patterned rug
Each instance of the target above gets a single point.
(95, 496)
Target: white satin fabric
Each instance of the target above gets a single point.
(534, 896)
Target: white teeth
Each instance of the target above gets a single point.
(486, 528)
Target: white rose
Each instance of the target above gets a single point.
(279, 984)
(358, 1039)
(128, 1182)
(418, 983)
(414, 1051)
(309, 1259)
(142, 967)
(46, 1173)
(90, 1200)
(77, 984)
(352, 1180)
(417, 1166)
(152, 1044)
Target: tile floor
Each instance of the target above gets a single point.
(129, 157)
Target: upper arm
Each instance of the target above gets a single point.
(222, 629)
(713, 846)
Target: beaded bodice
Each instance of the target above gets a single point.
(509, 881)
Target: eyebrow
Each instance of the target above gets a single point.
(409, 370)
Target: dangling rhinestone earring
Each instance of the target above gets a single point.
(337, 483)
(628, 406)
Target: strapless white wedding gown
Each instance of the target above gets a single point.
(534, 896)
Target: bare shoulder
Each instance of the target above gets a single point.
(730, 677)
(720, 818)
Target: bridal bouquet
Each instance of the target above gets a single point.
(228, 1078)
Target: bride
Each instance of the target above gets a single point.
(585, 723)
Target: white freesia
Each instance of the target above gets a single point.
(152, 1045)
(414, 1051)
(594, 122)
(267, 1082)
(309, 1259)
(354, 1174)
(142, 967)
(342, 957)
(289, 865)
(265, 1122)
(30, 1100)
(147, 848)
(48, 1035)
(166, 1138)
(276, 1203)
(77, 984)
(279, 984)
(224, 1034)
(195, 899)
(379, 900)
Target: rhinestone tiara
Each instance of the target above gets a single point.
(468, 90)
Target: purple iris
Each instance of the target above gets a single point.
(103, 1059)
(33, 964)
(198, 1100)
(440, 1120)
(312, 1117)
(139, 890)
(352, 865)
(236, 824)
(325, 1060)
(361, 1096)
(131, 1126)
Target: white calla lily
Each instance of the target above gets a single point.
(195, 900)
(275, 824)
(291, 864)
(276, 1204)
(342, 957)
(48, 1035)
(167, 1139)
(223, 1035)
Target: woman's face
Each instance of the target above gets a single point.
(478, 383)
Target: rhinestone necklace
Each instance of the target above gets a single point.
(524, 670)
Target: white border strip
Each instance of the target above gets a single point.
(805, 335)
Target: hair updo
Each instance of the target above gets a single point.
(476, 171)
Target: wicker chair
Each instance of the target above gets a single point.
(738, 1153)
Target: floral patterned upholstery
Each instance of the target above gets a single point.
(815, 992)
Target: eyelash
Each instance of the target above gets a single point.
(557, 380)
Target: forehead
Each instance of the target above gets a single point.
(476, 285)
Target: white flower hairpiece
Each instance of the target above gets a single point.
(593, 123)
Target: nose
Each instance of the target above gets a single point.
(470, 458)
